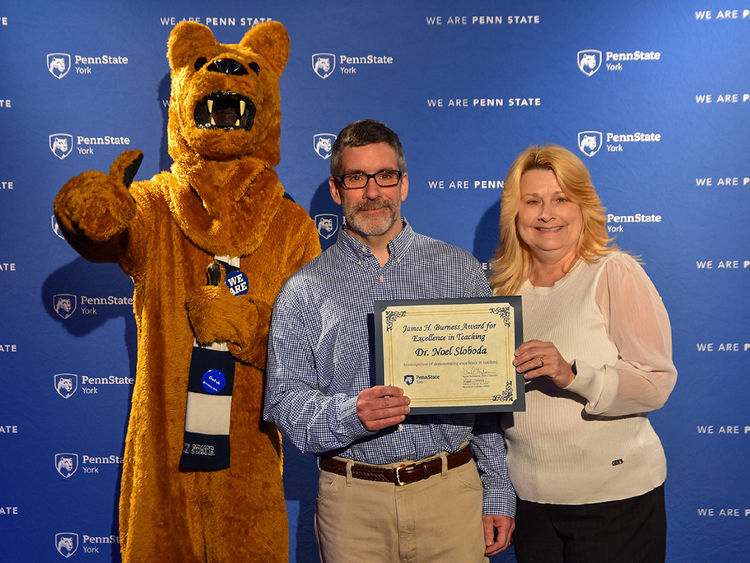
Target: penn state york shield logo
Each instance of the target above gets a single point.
(61, 144)
(323, 64)
(323, 144)
(589, 61)
(408, 379)
(327, 224)
(66, 464)
(58, 64)
(64, 304)
(66, 543)
(66, 384)
(589, 142)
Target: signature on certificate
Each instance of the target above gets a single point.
(478, 372)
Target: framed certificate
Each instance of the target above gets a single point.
(451, 355)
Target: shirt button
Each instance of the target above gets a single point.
(364, 249)
(381, 278)
(399, 427)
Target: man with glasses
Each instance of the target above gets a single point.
(392, 487)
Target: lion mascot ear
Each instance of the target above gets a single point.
(271, 39)
(187, 39)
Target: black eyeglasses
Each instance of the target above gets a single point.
(358, 180)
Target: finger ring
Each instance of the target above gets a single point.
(541, 359)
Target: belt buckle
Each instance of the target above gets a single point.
(398, 475)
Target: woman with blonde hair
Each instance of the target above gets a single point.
(587, 466)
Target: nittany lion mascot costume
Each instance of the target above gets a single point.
(208, 245)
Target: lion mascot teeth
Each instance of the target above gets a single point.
(207, 245)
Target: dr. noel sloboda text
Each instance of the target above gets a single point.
(452, 351)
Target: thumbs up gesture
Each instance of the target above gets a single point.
(96, 205)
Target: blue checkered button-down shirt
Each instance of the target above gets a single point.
(321, 355)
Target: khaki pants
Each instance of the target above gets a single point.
(436, 519)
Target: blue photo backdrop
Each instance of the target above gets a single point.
(653, 96)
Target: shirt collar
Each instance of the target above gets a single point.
(357, 249)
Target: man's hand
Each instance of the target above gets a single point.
(497, 532)
(382, 406)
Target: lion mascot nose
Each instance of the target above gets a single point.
(227, 66)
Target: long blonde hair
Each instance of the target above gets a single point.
(511, 265)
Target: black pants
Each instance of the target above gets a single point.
(632, 530)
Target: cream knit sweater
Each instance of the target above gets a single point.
(592, 441)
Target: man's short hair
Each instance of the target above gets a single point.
(361, 133)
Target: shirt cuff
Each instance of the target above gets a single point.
(586, 383)
(500, 502)
(350, 422)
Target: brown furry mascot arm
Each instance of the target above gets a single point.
(216, 315)
(94, 209)
(243, 321)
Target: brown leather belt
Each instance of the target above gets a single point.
(401, 475)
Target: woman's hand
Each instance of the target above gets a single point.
(536, 358)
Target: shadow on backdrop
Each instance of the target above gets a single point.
(487, 234)
(163, 93)
(93, 279)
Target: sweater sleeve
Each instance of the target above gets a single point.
(637, 323)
